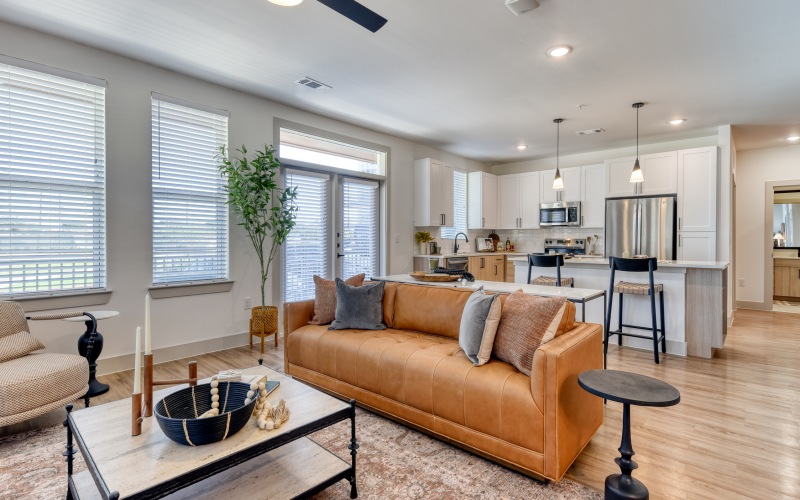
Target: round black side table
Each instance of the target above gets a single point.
(86, 340)
(628, 389)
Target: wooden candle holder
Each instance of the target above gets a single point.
(149, 383)
(136, 414)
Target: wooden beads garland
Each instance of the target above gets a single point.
(214, 411)
(272, 417)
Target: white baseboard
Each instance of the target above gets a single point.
(125, 361)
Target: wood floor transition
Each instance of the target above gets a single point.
(735, 433)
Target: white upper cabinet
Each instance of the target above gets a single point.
(433, 193)
(697, 187)
(481, 200)
(572, 185)
(660, 173)
(593, 197)
(518, 201)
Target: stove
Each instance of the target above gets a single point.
(567, 246)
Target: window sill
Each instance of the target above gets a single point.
(63, 300)
(185, 290)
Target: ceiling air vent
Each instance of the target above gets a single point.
(313, 84)
(589, 131)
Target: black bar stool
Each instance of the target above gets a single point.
(544, 260)
(622, 288)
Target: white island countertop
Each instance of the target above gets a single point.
(602, 261)
(573, 294)
(467, 254)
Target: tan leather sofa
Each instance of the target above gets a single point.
(415, 373)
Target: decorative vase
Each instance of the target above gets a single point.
(423, 248)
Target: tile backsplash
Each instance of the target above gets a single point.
(525, 240)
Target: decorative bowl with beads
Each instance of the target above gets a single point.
(207, 413)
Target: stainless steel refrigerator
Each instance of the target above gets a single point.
(641, 225)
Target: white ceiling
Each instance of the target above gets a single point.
(468, 76)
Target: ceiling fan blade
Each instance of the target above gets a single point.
(356, 12)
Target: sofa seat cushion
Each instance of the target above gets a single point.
(427, 372)
(29, 382)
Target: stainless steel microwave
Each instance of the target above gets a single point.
(560, 213)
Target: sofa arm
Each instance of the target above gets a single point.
(571, 414)
(295, 315)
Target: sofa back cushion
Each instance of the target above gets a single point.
(429, 309)
(389, 296)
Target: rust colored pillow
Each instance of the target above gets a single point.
(527, 322)
(17, 345)
(325, 298)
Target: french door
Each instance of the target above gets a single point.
(337, 231)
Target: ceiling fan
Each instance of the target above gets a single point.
(349, 9)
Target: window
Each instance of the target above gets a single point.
(190, 211)
(306, 247)
(459, 206)
(52, 181)
(316, 150)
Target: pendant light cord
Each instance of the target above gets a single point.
(558, 141)
(637, 132)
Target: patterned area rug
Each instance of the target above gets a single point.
(393, 462)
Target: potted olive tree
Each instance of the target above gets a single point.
(267, 212)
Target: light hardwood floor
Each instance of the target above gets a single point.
(735, 433)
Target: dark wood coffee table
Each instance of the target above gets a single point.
(252, 463)
(628, 389)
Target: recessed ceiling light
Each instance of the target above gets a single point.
(286, 3)
(677, 121)
(793, 138)
(522, 147)
(559, 51)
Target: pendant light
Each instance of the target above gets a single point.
(558, 183)
(636, 175)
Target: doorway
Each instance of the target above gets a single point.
(785, 235)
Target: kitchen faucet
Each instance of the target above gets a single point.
(455, 243)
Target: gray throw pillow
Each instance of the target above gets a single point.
(479, 323)
(359, 307)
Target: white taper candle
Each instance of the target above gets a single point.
(148, 339)
(137, 364)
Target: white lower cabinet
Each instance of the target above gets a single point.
(697, 246)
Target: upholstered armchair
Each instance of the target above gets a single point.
(32, 384)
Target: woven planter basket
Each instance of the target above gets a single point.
(264, 319)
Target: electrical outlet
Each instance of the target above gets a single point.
(248, 303)
(739, 281)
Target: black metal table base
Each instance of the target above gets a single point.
(624, 486)
(90, 346)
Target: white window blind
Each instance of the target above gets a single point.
(190, 213)
(359, 237)
(52, 183)
(306, 248)
(459, 206)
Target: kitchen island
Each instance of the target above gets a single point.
(694, 296)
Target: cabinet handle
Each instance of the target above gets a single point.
(581, 220)
(483, 264)
(679, 240)
(679, 223)
(444, 219)
(483, 221)
(495, 269)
